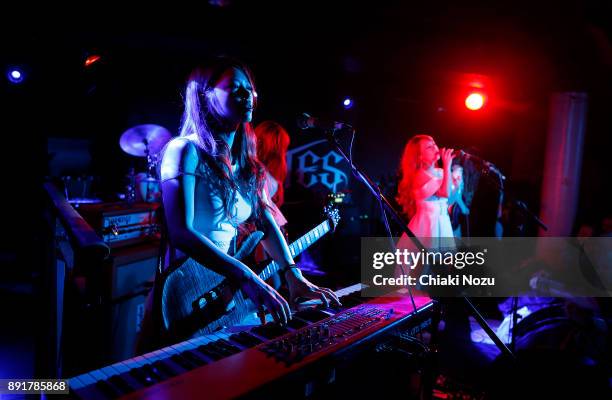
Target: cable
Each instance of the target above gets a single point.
(351, 150)
(390, 235)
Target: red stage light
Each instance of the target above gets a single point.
(91, 59)
(475, 101)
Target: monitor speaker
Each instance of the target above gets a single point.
(133, 271)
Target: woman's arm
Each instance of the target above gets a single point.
(457, 198)
(425, 186)
(452, 199)
(464, 209)
(276, 245)
(455, 195)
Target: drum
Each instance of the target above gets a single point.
(147, 188)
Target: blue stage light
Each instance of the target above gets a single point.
(15, 75)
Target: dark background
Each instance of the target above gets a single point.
(407, 66)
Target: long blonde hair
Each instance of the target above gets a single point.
(409, 165)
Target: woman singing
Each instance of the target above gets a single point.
(424, 190)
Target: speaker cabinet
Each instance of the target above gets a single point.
(132, 272)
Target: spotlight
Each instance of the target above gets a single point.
(475, 101)
(15, 75)
(347, 103)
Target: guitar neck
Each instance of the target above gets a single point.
(298, 247)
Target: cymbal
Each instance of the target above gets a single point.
(140, 138)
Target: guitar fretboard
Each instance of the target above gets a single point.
(298, 247)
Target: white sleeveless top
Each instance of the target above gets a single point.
(431, 222)
(210, 217)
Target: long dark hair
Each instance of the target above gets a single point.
(201, 117)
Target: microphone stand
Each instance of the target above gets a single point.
(375, 190)
(488, 169)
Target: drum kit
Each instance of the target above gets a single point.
(147, 141)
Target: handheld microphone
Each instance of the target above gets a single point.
(305, 121)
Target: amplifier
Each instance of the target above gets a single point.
(133, 272)
(120, 224)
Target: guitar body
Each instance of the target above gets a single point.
(196, 300)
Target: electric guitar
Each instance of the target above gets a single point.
(196, 300)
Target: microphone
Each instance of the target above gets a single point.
(305, 121)
(467, 156)
(459, 153)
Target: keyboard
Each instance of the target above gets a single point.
(209, 366)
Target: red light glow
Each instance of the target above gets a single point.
(475, 101)
(91, 59)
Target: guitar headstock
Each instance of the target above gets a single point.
(333, 215)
